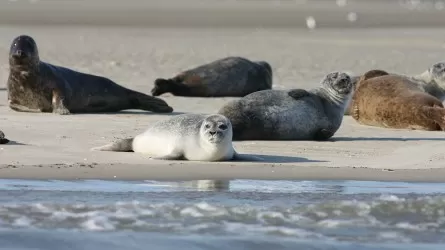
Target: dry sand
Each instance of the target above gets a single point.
(52, 146)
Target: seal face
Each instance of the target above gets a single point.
(3, 139)
(194, 137)
(394, 101)
(296, 114)
(230, 76)
(36, 86)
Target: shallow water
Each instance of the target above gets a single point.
(242, 214)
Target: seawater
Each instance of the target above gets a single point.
(208, 214)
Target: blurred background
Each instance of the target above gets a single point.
(227, 13)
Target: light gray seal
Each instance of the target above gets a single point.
(230, 77)
(296, 114)
(3, 139)
(36, 86)
(193, 137)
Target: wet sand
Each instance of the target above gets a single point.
(51, 146)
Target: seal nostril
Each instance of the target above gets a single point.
(212, 132)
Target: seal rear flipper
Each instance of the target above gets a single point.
(245, 157)
(437, 114)
(3, 140)
(162, 86)
(149, 103)
(298, 93)
(123, 145)
(172, 156)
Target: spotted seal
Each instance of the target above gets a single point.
(193, 137)
(295, 114)
(3, 139)
(230, 77)
(393, 101)
(36, 86)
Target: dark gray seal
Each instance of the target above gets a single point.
(296, 114)
(3, 139)
(230, 77)
(36, 86)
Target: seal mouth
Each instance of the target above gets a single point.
(215, 136)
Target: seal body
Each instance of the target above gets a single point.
(230, 76)
(194, 137)
(36, 86)
(393, 101)
(3, 139)
(297, 114)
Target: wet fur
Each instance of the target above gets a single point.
(393, 101)
(42, 87)
(230, 76)
(182, 138)
(286, 115)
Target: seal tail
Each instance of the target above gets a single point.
(437, 114)
(123, 145)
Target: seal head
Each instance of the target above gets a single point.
(216, 129)
(437, 72)
(338, 87)
(23, 53)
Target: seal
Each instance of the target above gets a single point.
(36, 86)
(193, 137)
(356, 80)
(393, 101)
(430, 81)
(226, 77)
(3, 139)
(295, 114)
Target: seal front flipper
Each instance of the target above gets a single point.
(298, 93)
(171, 156)
(58, 102)
(245, 157)
(323, 134)
(173, 86)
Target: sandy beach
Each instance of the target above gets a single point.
(134, 53)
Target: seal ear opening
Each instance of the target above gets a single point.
(162, 86)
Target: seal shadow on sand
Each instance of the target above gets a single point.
(275, 159)
(127, 112)
(2, 89)
(15, 143)
(384, 139)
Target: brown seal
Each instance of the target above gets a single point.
(36, 86)
(230, 77)
(3, 139)
(355, 80)
(392, 101)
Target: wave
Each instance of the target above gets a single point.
(386, 219)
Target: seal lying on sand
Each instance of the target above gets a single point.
(291, 115)
(3, 140)
(194, 137)
(392, 101)
(230, 76)
(431, 81)
(36, 86)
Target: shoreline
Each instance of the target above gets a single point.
(205, 171)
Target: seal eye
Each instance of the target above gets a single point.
(222, 127)
(207, 126)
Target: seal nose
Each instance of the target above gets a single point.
(18, 53)
(212, 132)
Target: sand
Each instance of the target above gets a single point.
(51, 146)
